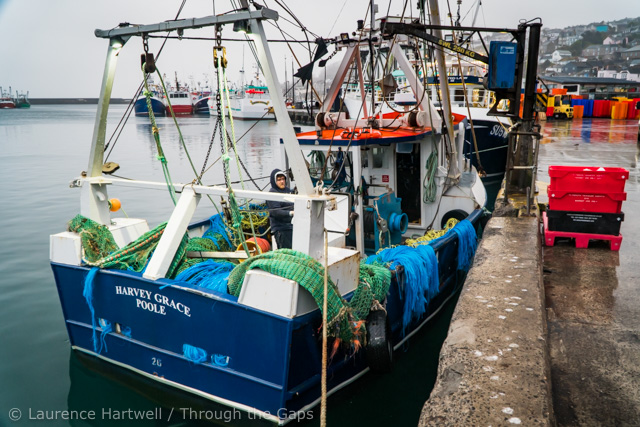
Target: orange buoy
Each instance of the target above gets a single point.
(260, 247)
(263, 244)
(114, 205)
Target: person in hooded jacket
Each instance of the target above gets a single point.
(281, 213)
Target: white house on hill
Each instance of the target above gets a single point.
(559, 55)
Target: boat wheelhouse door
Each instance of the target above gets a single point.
(409, 180)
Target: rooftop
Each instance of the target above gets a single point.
(588, 80)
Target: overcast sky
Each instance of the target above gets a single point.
(48, 47)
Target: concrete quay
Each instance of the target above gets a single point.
(494, 367)
(541, 336)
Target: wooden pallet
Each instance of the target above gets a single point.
(581, 239)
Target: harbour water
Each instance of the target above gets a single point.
(45, 147)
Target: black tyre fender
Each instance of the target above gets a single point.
(379, 349)
(458, 214)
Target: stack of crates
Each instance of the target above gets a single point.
(585, 203)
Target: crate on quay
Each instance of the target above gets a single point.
(585, 204)
(585, 222)
(581, 239)
(586, 179)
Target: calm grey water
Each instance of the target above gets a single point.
(41, 150)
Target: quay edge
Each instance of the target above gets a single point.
(494, 365)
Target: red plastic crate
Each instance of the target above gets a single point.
(581, 179)
(585, 202)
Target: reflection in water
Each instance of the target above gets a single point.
(590, 131)
(117, 396)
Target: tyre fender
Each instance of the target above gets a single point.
(379, 349)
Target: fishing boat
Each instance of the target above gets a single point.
(470, 98)
(252, 100)
(201, 103)
(22, 100)
(267, 335)
(202, 97)
(6, 100)
(485, 135)
(179, 99)
(156, 96)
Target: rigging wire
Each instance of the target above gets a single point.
(128, 111)
(340, 13)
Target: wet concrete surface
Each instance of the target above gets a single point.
(577, 360)
(494, 367)
(592, 296)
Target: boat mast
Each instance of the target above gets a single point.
(372, 61)
(454, 170)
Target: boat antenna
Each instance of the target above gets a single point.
(242, 70)
(293, 85)
(371, 62)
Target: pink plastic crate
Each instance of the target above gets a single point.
(581, 179)
(585, 202)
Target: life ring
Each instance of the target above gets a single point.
(379, 351)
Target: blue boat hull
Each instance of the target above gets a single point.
(141, 108)
(492, 145)
(201, 106)
(271, 365)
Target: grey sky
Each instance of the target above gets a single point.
(49, 49)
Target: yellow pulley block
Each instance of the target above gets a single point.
(224, 56)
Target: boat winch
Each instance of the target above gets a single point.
(384, 222)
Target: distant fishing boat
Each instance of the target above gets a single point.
(201, 101)
(179, 99)
(252, 101)
(201, 104)
(6, 100)
(141, 106)
(22, 100)
(201, 98)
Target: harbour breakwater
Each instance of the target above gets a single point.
(69, 101)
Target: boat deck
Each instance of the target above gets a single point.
(343, 137)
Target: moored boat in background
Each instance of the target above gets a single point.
(179, 99)
(252, 101)
(201, 97)
(201, 104)
(156, 99)
(6, 100)
(22, 100)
